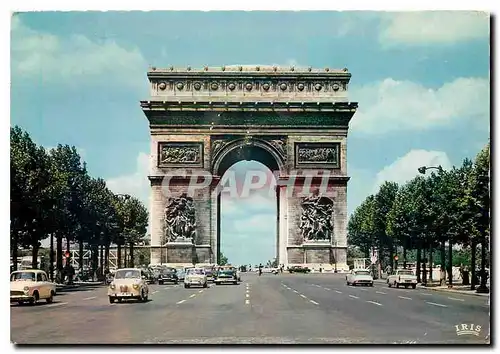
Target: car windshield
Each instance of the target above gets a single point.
(405, 272)
(362, 272)
(22, 276)
(127, 274)
(226, 272)
(193, 271)
(169, 271)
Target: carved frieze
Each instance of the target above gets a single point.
(316, 219)
(180, 220)
(218, 145)
(180, 154)
(279, 143)
(317, 155)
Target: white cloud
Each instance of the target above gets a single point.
(406, 168)
(73, 60)
(428, 27)
(392, 105)
(135, 184)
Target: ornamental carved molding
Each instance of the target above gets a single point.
(180, 220)
(316, 220)
(249, 81)
(178, 154)
(316, 155)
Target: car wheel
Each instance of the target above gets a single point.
(160, 283)
(235, 282)
(111, 300)
(205, 285)
(186, 286)
(390, 285)
(371, 284)
(396, 285)
(414, 286)
(176, 282)
(119, 299)
(50, 299)
(34, 299)
(217, 283)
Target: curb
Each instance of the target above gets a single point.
(443, 290)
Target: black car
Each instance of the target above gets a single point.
(226, 276)
(168, 275)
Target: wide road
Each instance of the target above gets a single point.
(283, 309)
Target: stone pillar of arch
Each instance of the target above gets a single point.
(294, 121)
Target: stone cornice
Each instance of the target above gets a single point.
(249, 83)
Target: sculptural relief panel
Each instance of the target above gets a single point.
(180, 220)
(177, 154)
(317, 155)
(316, 220)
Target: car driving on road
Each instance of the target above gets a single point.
(168, 275)
(195, 277)
(226, 275)
(30, 286)
(128, 283)
(402, 277)
(359, 277)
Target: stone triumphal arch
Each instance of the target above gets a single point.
(294, 121)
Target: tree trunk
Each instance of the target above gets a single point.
(424, 266)
(118, 255)
(34, 255)
(15, 238)
(51, 258)
(132, 254)
(473, 248)
(431, 266)
(59, 253)
(404, 257)
(442, 278)
(95, 257)
(80, 255)
(106, 256)
(391, 256)
(68, 247)
(101, 260)
(450, 263)
(419, 259)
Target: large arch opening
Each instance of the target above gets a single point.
(247, 205)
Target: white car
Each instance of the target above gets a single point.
(195, 277)
(359, 276)
(30, 286)
(128, 283)
(402, 277)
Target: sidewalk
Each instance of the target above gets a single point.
(457, 289)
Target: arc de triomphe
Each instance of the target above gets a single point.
(294, 121)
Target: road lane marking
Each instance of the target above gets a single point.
(247, 295)
(305, 297)
(425, 294)
(338, 292)
(200, 291)
(90, 298)
(56, 304)
(180, 302)
(154, 292)
(454, 298)
(354, 297)
(373, 302)
(295, 291)
(192, 295)
(404, 297)
(381, 292)
(247, 302)
(433, 303)
(327, 289)
(313, 302)
(363, 289)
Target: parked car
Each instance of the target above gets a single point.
(181, 274)
(211, 273)
(359, 277)
(299, 269)
(226, 275)
(129, 283)
(168, 275)
(30, 286)
(195, 277)
(402, 277)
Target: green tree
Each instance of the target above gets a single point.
(136, 223)
(223, 260)
(383, 202)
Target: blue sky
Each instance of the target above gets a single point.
(421, 80)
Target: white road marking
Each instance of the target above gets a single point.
(247, 291)
(425, 294)
(313, 302)
(247, 295)
(338, 292)
(363, 289)
(433, 303)
(305, 297)
(454, 298)
(404, 297)
(90, 298)
(247, 302)
(354, 297)
(295, 291)
(200, 291)
(56, 304)
(192, 295)
(327, 289)
(154, 292)
(381, 292)
(373, 302)
(180, 302)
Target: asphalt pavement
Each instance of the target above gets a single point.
(271, 309)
